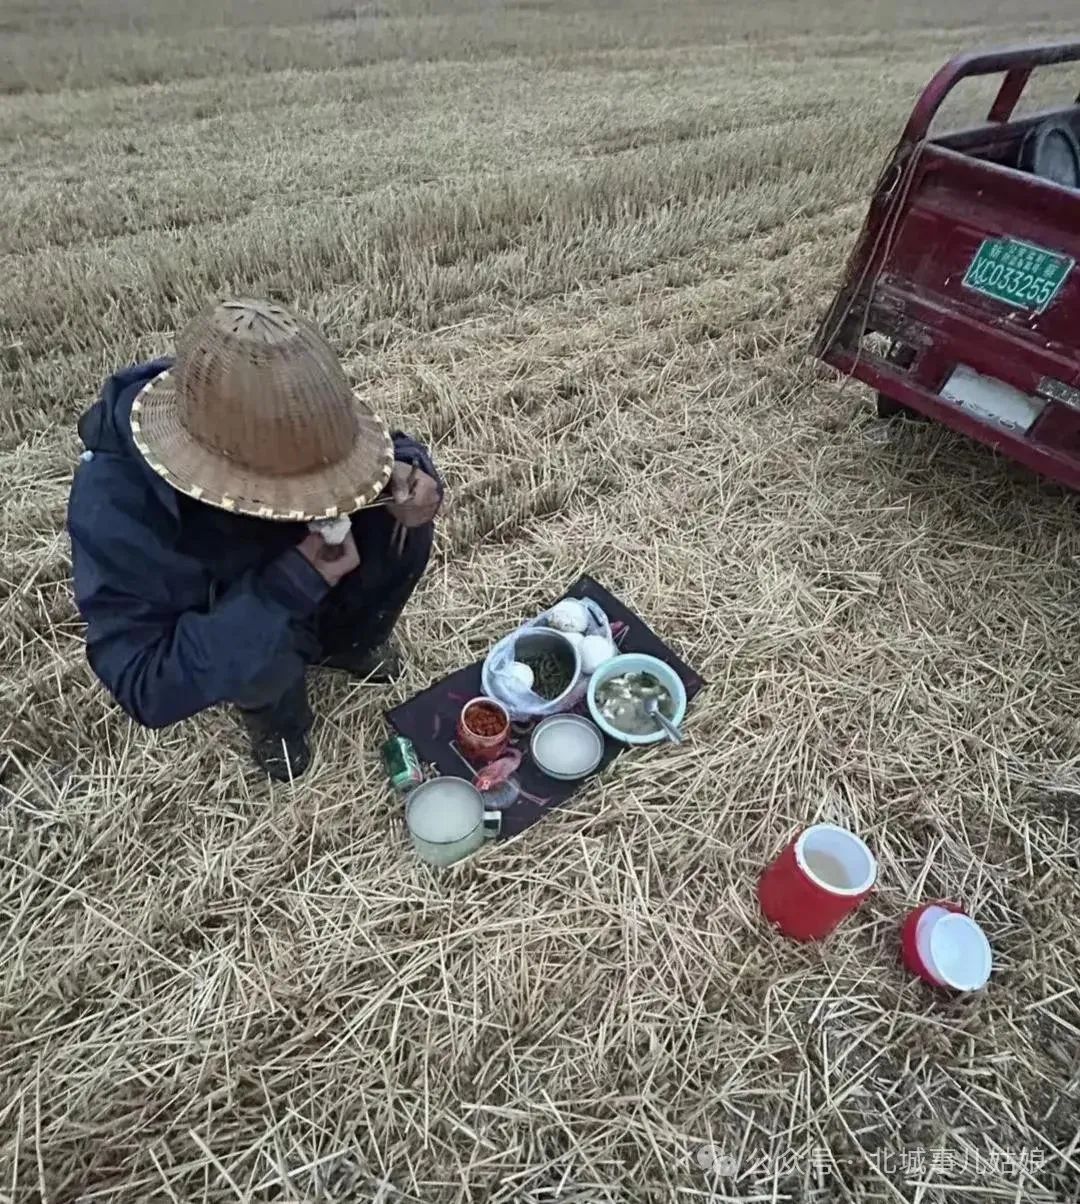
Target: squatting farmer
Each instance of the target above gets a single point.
(195, 569)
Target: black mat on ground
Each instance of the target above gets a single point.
(429, 718)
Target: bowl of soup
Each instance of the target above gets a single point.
(619, 690)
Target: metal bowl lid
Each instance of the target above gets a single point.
(547, 732)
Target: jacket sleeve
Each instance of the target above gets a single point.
(163, 664)
(409, 451)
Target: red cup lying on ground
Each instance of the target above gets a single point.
(822, 876)
(944, 946)
(483, 730)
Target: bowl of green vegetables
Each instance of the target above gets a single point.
(552, 659)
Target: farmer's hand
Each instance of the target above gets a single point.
(314, 550)
(415, 496)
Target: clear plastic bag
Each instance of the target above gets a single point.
(500, 684)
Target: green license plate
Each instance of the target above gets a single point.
(1017, 273)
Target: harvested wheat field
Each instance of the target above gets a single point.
(579, 246)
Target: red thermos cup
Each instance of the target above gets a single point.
(944, 946)
(819, 878)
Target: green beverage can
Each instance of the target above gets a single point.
(402, 764)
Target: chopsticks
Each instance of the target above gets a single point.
(400, 534)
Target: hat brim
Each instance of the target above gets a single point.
(191, 468)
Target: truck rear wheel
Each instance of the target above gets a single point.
(888, 408)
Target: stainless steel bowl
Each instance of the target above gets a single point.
(545, 639)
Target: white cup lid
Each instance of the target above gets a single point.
(960, 952)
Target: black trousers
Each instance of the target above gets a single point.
(357, 615)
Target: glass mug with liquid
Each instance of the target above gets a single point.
(447, 820)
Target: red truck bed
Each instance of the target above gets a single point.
(961, 300)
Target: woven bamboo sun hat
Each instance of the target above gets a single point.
(256, 416)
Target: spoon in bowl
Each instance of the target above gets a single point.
(651, 707)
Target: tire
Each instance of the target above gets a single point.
(888, 408)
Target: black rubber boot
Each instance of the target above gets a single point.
(280, 755)
(279, 734)
(376, 666)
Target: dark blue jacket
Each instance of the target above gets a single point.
(181, 612)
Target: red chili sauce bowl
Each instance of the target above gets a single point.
(483, 730)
